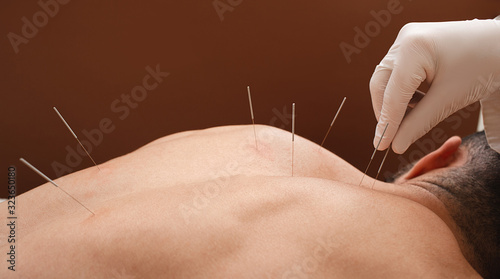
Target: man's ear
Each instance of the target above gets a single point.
(440, 158)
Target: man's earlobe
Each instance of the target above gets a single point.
(442, 157)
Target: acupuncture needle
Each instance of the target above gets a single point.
(333, 121)
(293, 133)
(251, 113)
(373, 155)
(74, 135)
(51, 181)
(380, 168)
(416, 98)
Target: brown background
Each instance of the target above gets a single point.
(91, 52)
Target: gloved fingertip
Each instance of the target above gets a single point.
(386, 131)
(384, 145)
(376, 139)
(378, 134)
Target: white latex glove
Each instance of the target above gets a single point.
(460, 59)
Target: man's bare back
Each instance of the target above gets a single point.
(210, 204)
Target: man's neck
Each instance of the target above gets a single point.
(419, 192)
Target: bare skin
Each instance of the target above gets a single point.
(209, 204)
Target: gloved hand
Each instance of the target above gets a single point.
(461, 61)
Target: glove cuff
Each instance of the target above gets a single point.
(491, 112)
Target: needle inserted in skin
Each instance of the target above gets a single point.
(333, 121)
(51, 181)
(373, 155)
(74, 135)
(293, 132)
(251, 113)
(380, 168)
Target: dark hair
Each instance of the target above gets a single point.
(471, 193)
